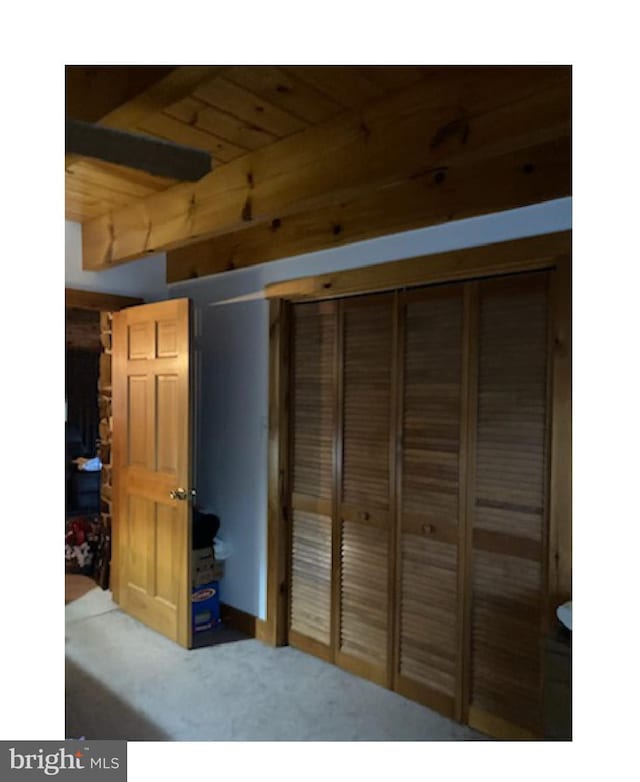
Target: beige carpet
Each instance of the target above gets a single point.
(123, 681)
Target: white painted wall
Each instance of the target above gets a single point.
(232, 343)
(145, 278)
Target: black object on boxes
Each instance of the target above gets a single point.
(205, 528)
(204, 566)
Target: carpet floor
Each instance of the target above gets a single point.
(124, 681)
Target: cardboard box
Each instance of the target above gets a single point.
(205, 576)
(203, 555)
(204, 568)
(205, 607)
(201, 561)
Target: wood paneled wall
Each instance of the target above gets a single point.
(82, 330)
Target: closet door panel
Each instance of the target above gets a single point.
(363, 592)
(509, 504)
(311, 576)
(364, 507)
(429, 504)
(367, 352)
(313, 396)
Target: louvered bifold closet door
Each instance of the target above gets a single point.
(428, 655)
(313, 415)
(509, 506)
(364, 511)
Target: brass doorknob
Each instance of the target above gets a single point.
(179, 494)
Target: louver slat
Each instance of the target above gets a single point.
(509, 502)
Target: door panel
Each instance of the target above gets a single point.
(508, 521)
(311, 576)
(364, 604)
(313, 402)
(364, 487)
(167, 540)
(428, 666)
(137, 434)
(368, 329)
(167, 412)
(152, 457)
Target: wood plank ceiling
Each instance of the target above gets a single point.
(307, 157)
(237, 110)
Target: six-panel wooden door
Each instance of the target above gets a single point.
(419, 462)
(152, 475)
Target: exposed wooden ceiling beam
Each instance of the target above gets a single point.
(135, 150)
(507, 181)
(147, 94)
(465, 114)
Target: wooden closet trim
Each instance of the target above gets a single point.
(274, 629)
(550, 251)
(560, 479)
(336, 529)
(466, 494)
(400, 325)
(395, 453)
(520, 255)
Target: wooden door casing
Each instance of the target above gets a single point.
(152, 457)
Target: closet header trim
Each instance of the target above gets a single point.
(520, 255)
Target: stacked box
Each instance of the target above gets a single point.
(204, 567)
(205, 607)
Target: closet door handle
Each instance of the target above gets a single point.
(428, 529)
